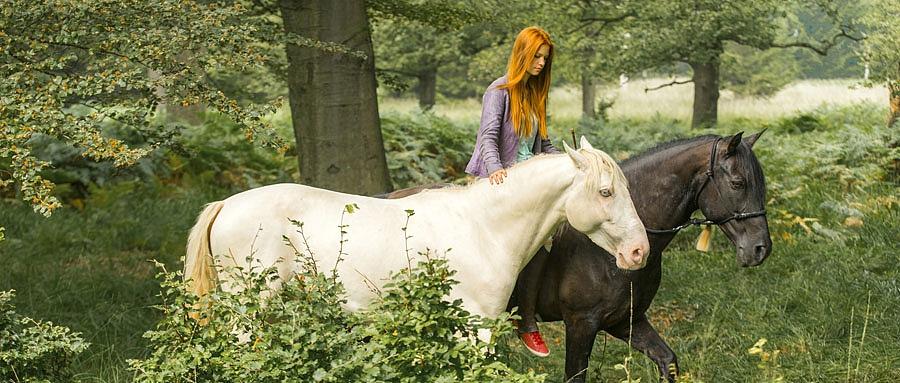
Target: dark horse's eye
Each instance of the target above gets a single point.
(737, 184)
(605, 192)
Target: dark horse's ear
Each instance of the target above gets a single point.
(752, 139)
(733, 143)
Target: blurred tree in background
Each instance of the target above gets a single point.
(881, 50)
(697, 33)
(416, 43)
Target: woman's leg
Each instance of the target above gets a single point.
(528, 287)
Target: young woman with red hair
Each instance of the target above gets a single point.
(513, 129)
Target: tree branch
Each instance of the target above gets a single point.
(266, 7)
(397, 71)
(674, 82)
(605, 21)
(826, 44)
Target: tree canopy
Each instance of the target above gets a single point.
(72, 69)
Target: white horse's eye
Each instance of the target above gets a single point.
(605, 192)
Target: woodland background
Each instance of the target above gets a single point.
(120, 119)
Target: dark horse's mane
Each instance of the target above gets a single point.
(668, 145)
(757, 174)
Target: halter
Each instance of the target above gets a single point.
(697, 221)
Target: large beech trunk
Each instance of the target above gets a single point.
(334, 108)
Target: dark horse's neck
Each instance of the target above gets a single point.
(664, 183)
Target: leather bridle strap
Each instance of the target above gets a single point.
(698, 222)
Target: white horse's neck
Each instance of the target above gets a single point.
(518, 229)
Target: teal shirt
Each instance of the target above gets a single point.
(525, 145)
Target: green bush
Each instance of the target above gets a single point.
(215, 151)
(423, 148)
(34, 351)
(301, 333)
(801, 123)
(621, 138)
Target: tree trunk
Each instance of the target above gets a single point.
(588, 96)
(427, 88)
(706, 94)
(334, 109)
(894, 94)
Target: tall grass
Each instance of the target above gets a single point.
(632, 102)
(89, 269)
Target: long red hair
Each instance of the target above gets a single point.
(528, 97)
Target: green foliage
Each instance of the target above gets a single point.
(751, 72)
(842, 60)
(622, 138)
(424, 148)
(86, 269)
(34, 351)
(69, 68)
(881, 48)
(836, 178)
(801, 123)
(218, 152)
(850, 146)
(693, 31)
(447, 14)
(214, 152)
(301, 332)
(414, 40)
(412, 49)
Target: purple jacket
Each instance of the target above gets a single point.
(497, 142)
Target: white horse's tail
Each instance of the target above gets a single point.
(198, 262)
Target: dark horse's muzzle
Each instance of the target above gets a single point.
(751, 240)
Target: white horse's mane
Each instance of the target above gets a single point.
(598, 163)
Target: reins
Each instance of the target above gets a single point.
(697, 221)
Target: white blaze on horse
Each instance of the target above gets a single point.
(492, 231)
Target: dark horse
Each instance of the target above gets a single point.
(582, 286)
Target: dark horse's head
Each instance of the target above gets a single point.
(735, 197)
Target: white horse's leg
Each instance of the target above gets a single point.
(485, 335)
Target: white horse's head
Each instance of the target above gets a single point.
(599, 205)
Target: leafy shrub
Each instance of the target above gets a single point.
(219, 151)
(421, 148)
(34, 351)
(802, 123)
(301, 333)
(621, 138)
(424, 148)
(215, 151)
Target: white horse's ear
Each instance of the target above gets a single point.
(580, 161)
(585, 144)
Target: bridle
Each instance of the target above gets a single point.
(697, 221)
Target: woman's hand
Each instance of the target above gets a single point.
(497, 177)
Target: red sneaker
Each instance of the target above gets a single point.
(535, 343)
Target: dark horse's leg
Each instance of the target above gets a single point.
(581, 329)
(528, 287)
(645, 339)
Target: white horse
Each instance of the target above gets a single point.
(492, 231)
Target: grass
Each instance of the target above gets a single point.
(810, 298)
(87, 269)
(631, 102)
